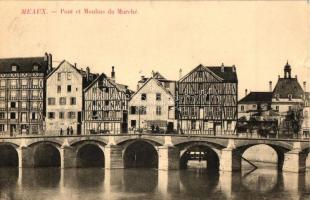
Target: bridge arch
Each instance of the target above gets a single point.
(279, 150)
(202, 154)
(46, 154)
(140, 153)
(8, 155)
(90, 154)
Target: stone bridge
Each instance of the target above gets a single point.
(164, 152)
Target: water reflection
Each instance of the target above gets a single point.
(98, 183)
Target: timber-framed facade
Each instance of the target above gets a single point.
(206, 100)
(105, 106)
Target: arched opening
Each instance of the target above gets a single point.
(90, 155)
(262, 156)
(140, 154)
(8, 156)
(200, 156)
(46, 155)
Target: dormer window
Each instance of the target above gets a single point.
(277, 97)
(290, 97)
(35, 68)
(14, 68)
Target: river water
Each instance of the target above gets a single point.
(96, 183)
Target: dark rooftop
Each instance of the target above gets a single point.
(257, 97)
(24, 65)
(286, 86)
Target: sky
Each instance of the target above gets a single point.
(258, 37)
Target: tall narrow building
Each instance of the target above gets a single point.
(22, 94)
(64, 98)
(207, 100)
(106, 105)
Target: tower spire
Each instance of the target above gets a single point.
(287, 70)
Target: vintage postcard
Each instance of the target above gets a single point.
(154, 100)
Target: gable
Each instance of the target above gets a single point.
(201, 74)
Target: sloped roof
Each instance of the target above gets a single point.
(120, 87)
(257, 97)
(24, 65)
(227, 73)
(222, 73)
(158, 83)
(286, 86)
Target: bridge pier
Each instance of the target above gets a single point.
(168, 157)
(68, 157)
(230, 160)
(294, 161)
(113, 157)
(25, 157)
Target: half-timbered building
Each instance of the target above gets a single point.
(152, 107)
(64, 98)
(106, 105)
(22, 94)
(206, 100)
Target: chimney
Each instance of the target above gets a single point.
(246, 92)
(48, 60)
(153, 73)
(270, 86)
(296, 76)
(87, 73)
(222, 67)
(75, 65)
(278, 76)
(142, 78)
(180, 73)
(233, 68)
(113, 74)
(305, 86)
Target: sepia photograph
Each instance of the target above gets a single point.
(126, 100)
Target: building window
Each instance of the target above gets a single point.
(12, 115)
(71, 115)
(14, 68)
(2, 104)
(24, 82)
(51, 115)
(94, 114)
(2, 94)
(58, 89)
(35, 68)
(106, 102)
(2, 128)
(306, 114)
(290, 108)
(72, 101)
(133, 123)
(107, 90)
(62, 101)
(33, 116)
(51, 101)
(69, 75)
(142, 110)
(13, 93)
(277, 97)
(68, 88)
(35, 105)
(242, 108)
(35, 82)
(290, 97)
(158, 110)
(2, 83)
(24, 94)
(59, 76)
(61, 115)
(143, 96)
(24, 105)
(158, 96)
(193, 124)
(35, 94)
(277, 108)
(166, 84)
(2, 115)
(94, 103)
(133, 110)
(13, 105)
(13, 83)
(106, 114)
(199, 74)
